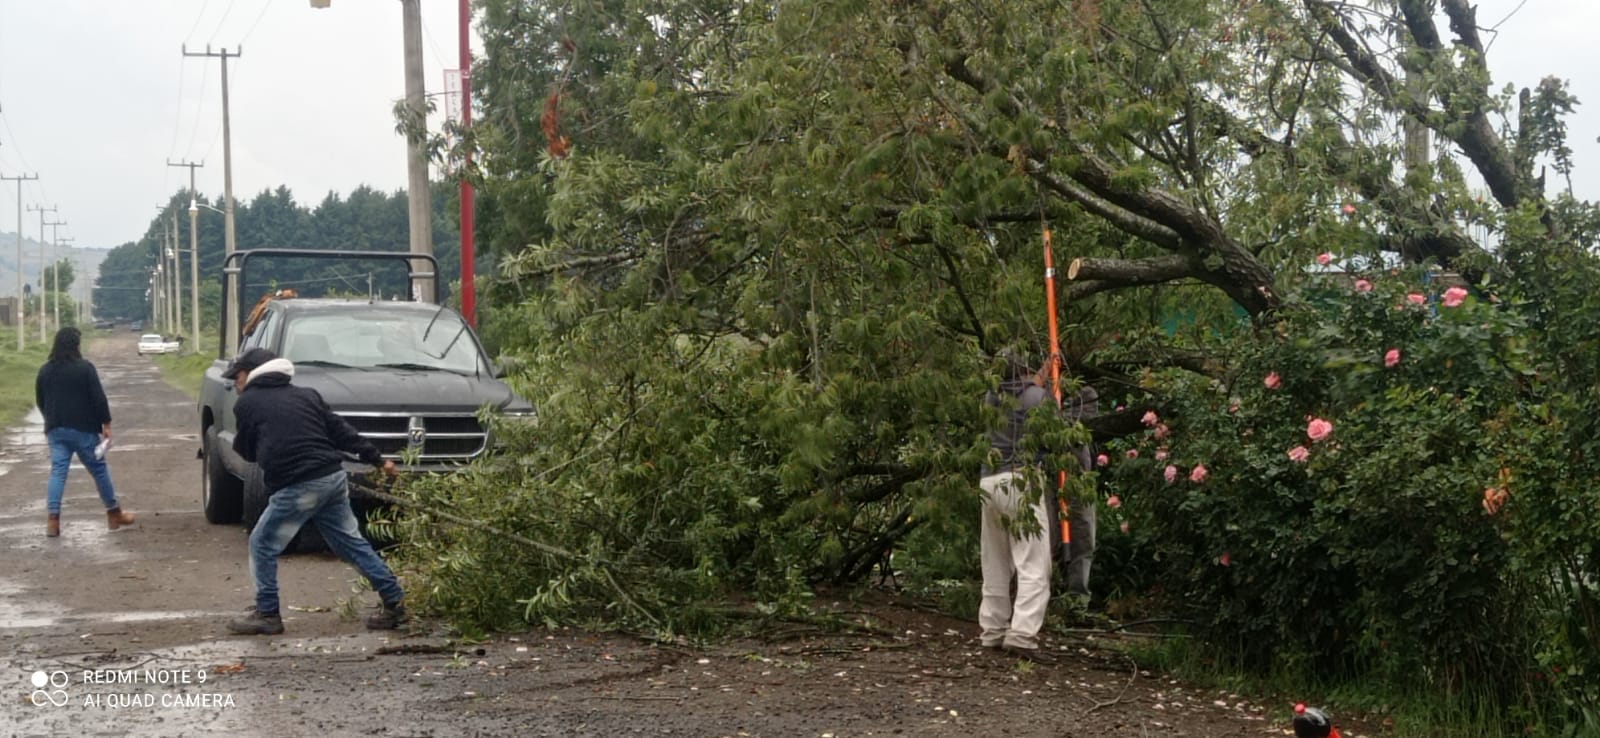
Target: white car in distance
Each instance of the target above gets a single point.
(151, 343)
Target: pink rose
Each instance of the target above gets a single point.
(1150, 418)
(1171, 474)
(1299, 454)
(1199, 474)
(1454, 296)
(1416, 298)
(1391, 358)
(1113, 502)
(1324, 258)
(1125, 527)
(1363, 285)
(1318, 429)
(1226, 559)
(1161, 454)
(1101, 460)
(1162, 431)
(1349, 209)
(1133, 453)
(1272, 381)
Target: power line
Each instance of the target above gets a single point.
(224, 20)
(197, 20)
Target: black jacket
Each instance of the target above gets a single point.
(69, 395)
(291, 433)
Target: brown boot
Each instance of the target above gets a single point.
(116, 518)
(52, 529)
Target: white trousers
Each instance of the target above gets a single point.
(1005, 498)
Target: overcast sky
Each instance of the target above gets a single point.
(95, 96)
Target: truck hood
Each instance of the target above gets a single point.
(395, 390)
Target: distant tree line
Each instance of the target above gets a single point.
(366, 220)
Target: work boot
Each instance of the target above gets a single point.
(1033, 655)
(52, 528)
(116, 518)
(256, 623)
(389, 618)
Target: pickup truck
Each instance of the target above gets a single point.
(412, 377)
(151, 343)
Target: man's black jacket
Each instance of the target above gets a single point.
(290, 432)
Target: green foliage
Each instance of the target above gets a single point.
(755, 261)
(17, 372)
(366, 220)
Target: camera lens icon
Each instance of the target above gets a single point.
(57, 695)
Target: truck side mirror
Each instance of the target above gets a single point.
(498, 369)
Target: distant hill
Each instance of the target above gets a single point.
(87, 260)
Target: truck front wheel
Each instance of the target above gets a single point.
(221, 493)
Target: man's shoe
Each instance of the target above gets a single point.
(1033, 655)
(116, 518)
(256, 623)
(388, 618)
(52, 527)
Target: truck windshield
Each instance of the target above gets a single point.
(368, 338)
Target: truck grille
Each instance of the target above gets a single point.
(435, 438)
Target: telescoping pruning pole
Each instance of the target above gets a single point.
(1055, 372)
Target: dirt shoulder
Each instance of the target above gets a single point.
(129, 625)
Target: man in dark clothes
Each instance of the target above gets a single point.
(77, 419)
(296, 440)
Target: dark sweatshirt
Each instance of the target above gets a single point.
(69, 395)
(290, 432)
(1007, 439)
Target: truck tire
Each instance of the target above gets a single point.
(221, 493)
(308, 540)
(255, 498)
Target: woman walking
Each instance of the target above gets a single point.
(77, 419)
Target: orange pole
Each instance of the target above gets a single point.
(1055, 370)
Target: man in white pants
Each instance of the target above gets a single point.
(1014, 538)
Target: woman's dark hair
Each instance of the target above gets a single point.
(66, 345)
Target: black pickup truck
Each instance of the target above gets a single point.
(411, 377)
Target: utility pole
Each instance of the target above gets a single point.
(469, 288)
(55, 276)
(41, 210)
(177, 278)
(230, 331)
(419, 189)
(54, 224)
(19, 179)
(194, 258)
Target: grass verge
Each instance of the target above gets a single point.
(1389, 710)
(184, 370)
(17, 373)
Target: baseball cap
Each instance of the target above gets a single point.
(247, 361)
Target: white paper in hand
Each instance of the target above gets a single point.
(100, 448)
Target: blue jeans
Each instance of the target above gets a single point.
(64, 442)
(326, 502)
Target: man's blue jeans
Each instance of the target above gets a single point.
(326, 502)
(64, 443)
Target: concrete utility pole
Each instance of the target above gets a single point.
(194, 258)
(418, 190)
(230, 331)
(19, 179)
(54, 224)
(469, 287)
(55, 276)
(41, 210)
(177, 278)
